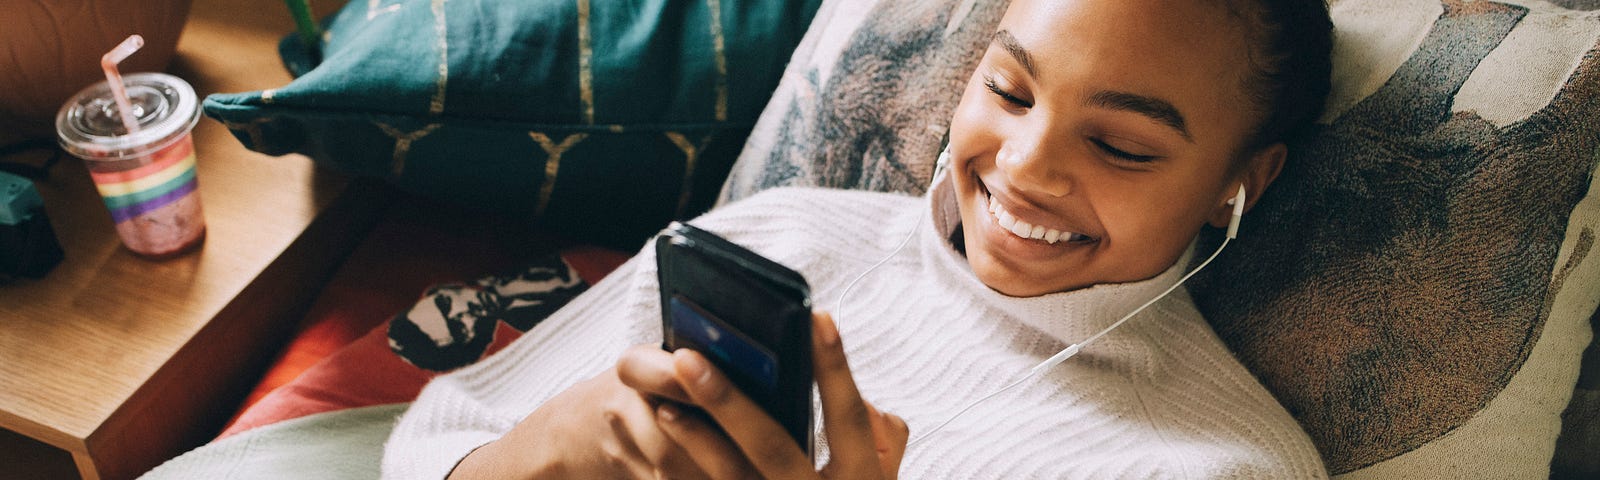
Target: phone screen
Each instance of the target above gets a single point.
(726, 346)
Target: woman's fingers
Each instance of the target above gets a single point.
(845, 415)
(889, 436)
(625, 444)
(637, 441)
(649, 370)
(863, 442)
(704, 443)
(766, 444)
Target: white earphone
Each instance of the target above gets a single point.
(939, 167)
(1238, 211)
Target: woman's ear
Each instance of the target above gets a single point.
(1259, 170)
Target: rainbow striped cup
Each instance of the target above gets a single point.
(146, 177)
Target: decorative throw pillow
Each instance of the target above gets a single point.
(453, 325)
(867, 98)
(1416, 287)
(603, 119)
(1580, 424)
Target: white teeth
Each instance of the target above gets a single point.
(1027, 230)
(1021, 229)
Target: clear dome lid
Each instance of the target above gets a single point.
(90, 126)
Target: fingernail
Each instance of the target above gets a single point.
(694, 367)
(667, 412)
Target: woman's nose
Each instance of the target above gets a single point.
(1037, 167)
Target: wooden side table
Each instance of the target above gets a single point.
(113, 363)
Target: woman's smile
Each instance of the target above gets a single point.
(1024, 231)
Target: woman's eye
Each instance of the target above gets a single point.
(1121, 154)
(988, 82)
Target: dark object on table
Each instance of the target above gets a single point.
(28, 245)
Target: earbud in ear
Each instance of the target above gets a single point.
(1238, 212)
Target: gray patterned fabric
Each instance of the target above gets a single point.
(878, 121)
(1415, 308)
(1396, 277)
(1578, 4)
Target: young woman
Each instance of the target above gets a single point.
(1092, 144)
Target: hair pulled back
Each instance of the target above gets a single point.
(1291, 57)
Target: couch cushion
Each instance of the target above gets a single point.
(866, 99)
(602, 118)
(1580, 424)
(454, 324)
(1415, 288)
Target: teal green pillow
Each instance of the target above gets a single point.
(600, 119)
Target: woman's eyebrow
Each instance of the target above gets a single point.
(1155, 108)
(1012, 46)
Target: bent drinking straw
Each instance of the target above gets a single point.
(108, 62)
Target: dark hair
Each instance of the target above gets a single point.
(1292, 46)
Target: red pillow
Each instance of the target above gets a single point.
(451, 326)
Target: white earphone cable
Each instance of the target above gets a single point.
(938, 168)
(1068, 352)
(1233, 227)
(852, 284)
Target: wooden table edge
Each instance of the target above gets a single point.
(142, 432)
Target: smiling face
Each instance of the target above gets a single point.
(1096, 137)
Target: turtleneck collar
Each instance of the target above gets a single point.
(1068, 316)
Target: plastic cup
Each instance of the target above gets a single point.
(147, 178)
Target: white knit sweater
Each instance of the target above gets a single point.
(1160, 397)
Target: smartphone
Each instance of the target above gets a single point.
(750, 316)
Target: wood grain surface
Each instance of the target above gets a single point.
(123, 361)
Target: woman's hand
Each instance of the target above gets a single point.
(598, 428)
(864, 442)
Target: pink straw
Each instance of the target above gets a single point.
(109, 62)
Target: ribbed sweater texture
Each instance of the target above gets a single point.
(1160, 397)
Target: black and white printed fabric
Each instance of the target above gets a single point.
(453, 324)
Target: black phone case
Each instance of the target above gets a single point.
(763, 300)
